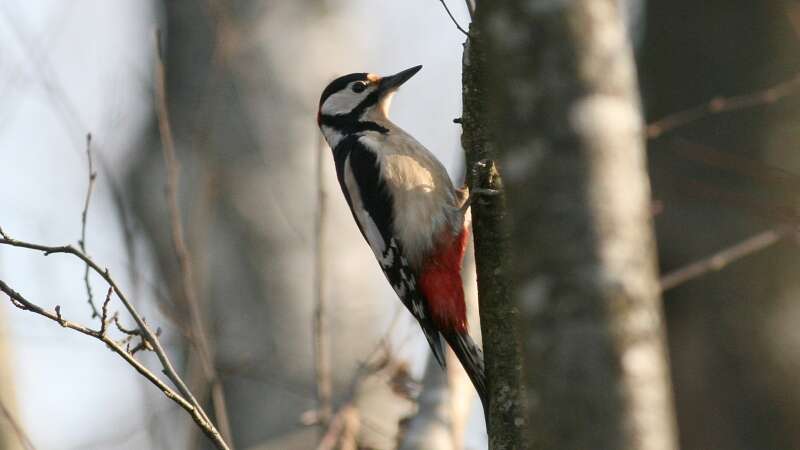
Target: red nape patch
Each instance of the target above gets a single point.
(440, 283)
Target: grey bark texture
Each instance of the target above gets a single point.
(505, 417)
(569, 131)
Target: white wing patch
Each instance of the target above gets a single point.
(406, 284)
(371, 231)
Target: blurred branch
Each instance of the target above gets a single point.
(337, 427)
(185, 399)
(16, 427)
(455, 22)
(82, 241)
(197, 325)
(341, 425)
(461, 398)
(66, 111)
(768, 176)
(723, 258)
(470, 8)
(720, 105)
(434, 425)
(321, 331)
(51, 85)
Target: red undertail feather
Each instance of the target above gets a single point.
(440, 283)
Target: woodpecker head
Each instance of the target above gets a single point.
(354, 96)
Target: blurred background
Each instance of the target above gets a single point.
(243, 80)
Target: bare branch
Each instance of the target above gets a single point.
(186, 399)
(104, 320)
(22, 303)
(723, 258)
(321, 333)
(455, 22)
(16, 427)
(720, 105)
(336, 428)
(82, 241)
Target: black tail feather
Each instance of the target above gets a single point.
(471, 358)
(435, 341)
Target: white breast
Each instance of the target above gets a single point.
(423, 194)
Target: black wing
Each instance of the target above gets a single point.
(371, 204)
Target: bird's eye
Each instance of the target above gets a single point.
(359, 86)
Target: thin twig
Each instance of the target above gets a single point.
(186, 400)
(375, 362)
(453, 18)
(84, 213)
(104, 320)
(720, 105)
(197, 324)
(22, 303)
(723, 258)
(321, 332)
(15, 425)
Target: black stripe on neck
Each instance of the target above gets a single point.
(346, 125)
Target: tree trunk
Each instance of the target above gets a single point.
(569, 131)
(499, 316)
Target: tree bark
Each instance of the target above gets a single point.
(504, 414)
(569, 131)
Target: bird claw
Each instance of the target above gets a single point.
(475, 193)
(486, 192)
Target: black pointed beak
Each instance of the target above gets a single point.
(392, 82)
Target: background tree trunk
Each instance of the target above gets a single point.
(734, 346)
(247, 141)
(9, 438)
(569, 131)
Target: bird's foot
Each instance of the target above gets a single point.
(474, 193)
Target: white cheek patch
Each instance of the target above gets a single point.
(341, 102)
(344, 101)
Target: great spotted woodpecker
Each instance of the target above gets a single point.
(406, 208)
